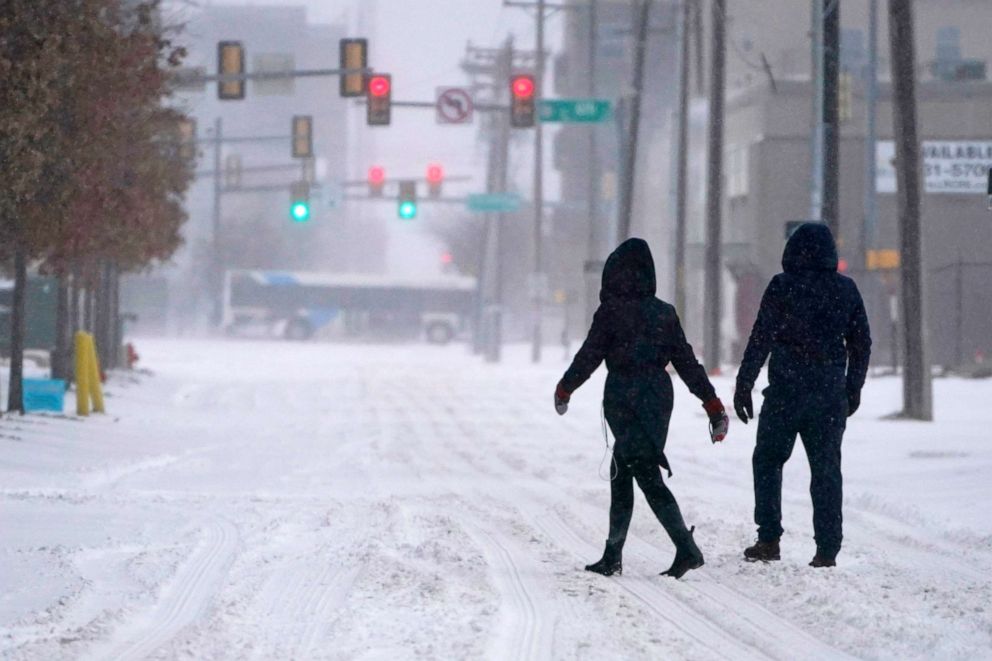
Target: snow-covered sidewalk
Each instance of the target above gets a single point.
(269, 500)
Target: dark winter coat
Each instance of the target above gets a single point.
(637, 335)
(813, 323)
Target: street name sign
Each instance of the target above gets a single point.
(493, 202)
(583, 111)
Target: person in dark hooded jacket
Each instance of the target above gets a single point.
(812, 322)
(638, 335)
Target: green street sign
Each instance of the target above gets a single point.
(493, 202)
(575, 110)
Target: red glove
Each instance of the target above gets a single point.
(719, 422)
(561, 399)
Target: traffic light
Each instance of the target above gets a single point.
(230, 62)
(354, 54)
(377, 179)
(523, 91)
(435, 177)
(299, 202)
(407, 209)
(380, 99)
(302, 136)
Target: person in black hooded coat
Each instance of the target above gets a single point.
(638, 335)
(812, 322)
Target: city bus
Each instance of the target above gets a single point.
(298, 305)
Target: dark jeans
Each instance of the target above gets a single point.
(821, 425)
(648, 476)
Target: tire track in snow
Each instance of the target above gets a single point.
(302, 600)
(185, 599)
(523, 632)
(696, 626)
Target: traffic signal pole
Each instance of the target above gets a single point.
(215, 271)
(539, 275)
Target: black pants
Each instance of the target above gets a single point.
(821, 425)
(648, 476)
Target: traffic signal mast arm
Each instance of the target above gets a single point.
(273, 75)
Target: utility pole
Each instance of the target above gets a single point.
(540, 278)
(871, 139)
(501, 180)
(641, 19)
(917, 386)
(831, 127)
(593, 183)
(597, 241)
(816, 136)
(714, 191)
(216, 272)
(682, 157)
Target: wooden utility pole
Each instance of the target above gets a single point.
(917, 386)
(682, 157)
(714, 191)
(831, 127)
(630, 152)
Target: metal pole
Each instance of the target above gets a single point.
(714, 191)
(831, 128)
(502, 178)
(539, 276)
(592, 184)
(682, 159)
(917, 385)
(816, 137)
(959, 317)
(871, 135)
(627, 198)
(215, 269)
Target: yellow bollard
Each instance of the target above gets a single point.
(82, 374)
(95, 387)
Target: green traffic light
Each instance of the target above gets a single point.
(408, 210)
(300, 212)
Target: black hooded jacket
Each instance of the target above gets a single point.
(637, 335)
(813, 323)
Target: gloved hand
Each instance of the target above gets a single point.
(743, 405)
(719, 422)
(561, 399)
(853, 402)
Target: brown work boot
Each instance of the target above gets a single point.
(764, 551)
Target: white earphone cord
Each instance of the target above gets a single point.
(614, 469)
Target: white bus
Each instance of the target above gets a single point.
(297, 305)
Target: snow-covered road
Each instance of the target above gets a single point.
(294, 501)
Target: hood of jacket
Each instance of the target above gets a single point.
(629, 272)
(810, 248)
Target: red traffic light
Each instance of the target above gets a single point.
(447, 258)
(435, 174)
(522, 86)
(377, 174)
(379, 85)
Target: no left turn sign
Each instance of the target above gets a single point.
(453, 105)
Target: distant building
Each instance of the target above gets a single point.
(767, 165)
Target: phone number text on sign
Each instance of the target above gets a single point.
(949, 166)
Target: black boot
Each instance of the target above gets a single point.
(687, 554)
(824, 559)
(610, 563)
(763, 551)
